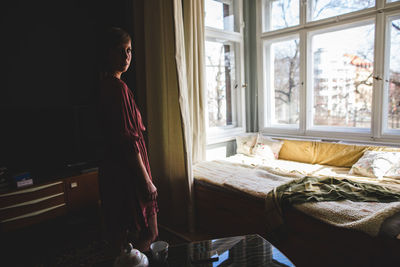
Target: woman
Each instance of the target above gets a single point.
(127, 192)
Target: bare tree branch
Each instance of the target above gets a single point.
(331, 4)
(283, 9)
(397, 27)
(280, 98)
(365, 82)
(283, 92)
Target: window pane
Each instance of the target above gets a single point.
(394, 76)
(280, 14)
(220, 14)
(220, 76)
(285, 93)
(342, 77)
(391, 1)
(321, 9)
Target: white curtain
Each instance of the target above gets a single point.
(189, 54)
(174, 79)
(195, 66)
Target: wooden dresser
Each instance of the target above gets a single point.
(37, 203)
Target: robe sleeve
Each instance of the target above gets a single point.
(122, 124)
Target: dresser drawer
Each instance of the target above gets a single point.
(34, 217)
(31, 207)
(39, 203)
(31, 194)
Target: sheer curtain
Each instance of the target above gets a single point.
(189, 54)
(194, 51)
(173, 64)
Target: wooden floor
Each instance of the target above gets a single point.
(72, 241)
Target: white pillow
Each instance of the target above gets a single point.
(245, 143)
(267, 147)
(375, 163)
(394, 172)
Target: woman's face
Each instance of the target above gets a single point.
(120, 57)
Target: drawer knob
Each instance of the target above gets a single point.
(74, 184)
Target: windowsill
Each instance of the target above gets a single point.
(334, 129)
(344, 140)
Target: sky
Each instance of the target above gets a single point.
(357, 41)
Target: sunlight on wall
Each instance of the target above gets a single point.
(216, 153)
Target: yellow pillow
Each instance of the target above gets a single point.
(341, 155)
(296, 150)
(324, 153)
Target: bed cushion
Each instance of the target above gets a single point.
(267, 148)
(316, 152)
(394, 172)
(327, 153)
(375, 163)
(245, 143)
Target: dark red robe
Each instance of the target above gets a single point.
(124, 204)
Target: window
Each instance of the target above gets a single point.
(283, 81)
(221, 82)
(223, 60)
(350, 59)
(330, 68)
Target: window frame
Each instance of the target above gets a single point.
(228, 132)
(268, 120)
(379, 14)
(389, 16)
(310, 81)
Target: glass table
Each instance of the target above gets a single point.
(249, 250)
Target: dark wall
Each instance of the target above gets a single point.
(48, 77)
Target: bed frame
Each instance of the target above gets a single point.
(305, 240)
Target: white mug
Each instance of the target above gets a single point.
(159, 250)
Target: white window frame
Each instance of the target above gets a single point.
(227, 133)
(390, 16)
(269, 81)
(378, 131)
(311, 128)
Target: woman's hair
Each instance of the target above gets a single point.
(110, 38)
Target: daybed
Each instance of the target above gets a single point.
(231, 197)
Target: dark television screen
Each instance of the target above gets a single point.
(33, 137)
(48, 139)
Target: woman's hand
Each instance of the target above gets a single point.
(143, 181)
(151, 190)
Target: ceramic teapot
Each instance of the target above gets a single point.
(131, 257)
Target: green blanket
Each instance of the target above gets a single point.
(312, 189)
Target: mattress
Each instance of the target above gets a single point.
(256, 177)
